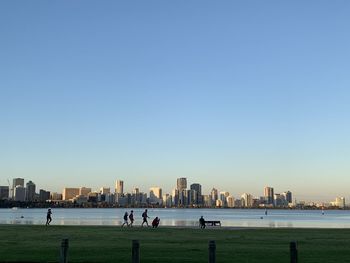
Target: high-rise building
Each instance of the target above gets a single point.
(56, 196)
(155, 195)
(44, 195)
(69, 193)
(214, 195)
(4, 192)
(119, 187)
(339, 202)
(15, 182)
(269, 195)
(181, 184)
(167, 200)
(19, 193)
(85, 191)
(30, 191)
(223, 196)
(196, 194)
(230, 201)
(246, 200)
(288, 196)
(105, 190)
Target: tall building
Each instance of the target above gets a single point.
(155, 195)
(196, 194)
(269, 195)
(288, 196)
(105, 190)
(214, 195)
(246, 200)
(339, 202)
(119, 187)
(85, 191)
(56, 196)
(19, 193)
(30, 191)
(230, 201)
(15, 182)
(181, 184)
(4, 192)
(223, 196)
(44, 195)
(69, 193)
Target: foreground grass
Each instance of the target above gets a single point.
(113, 244)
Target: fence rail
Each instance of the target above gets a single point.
(135, 252)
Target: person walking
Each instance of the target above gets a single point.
(144, 217)
(48, 217)
(131, 218)
(202, 222)
(125, 219)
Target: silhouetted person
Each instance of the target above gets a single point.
(48, 217)
(201, 222)
(131, 217)
(144, 217)
(155, 222)
(265, 211)
(125, 219)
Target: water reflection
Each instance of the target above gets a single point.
(182, 217)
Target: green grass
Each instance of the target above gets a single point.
(113, 244)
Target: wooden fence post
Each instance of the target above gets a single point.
(64, 251)
(135, 253)
(293, 252)
(212, 251)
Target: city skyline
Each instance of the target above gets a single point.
(234, 95)
(182, 184)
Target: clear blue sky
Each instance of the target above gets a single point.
(231, 94)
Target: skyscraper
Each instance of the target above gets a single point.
(19, 193)
(181, 184)
(69, 193)
(30, 191)
(196, 194)
(214, 195)
(119, 187)
(268, 194)
(4, 192)
(155, 195)
(15, 182)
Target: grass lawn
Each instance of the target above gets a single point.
(113, 244)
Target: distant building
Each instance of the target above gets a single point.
(84, 191)
(30, 191)
(20, 193)
(44, 195)
(223, 196)
(15, 182)
(288, 196)
(167, 200)
(214, 196)
(196, 194)
(119, 187)
(247, 200)
(4, 192)
(230, 201)
(181, 184)
(70, 193)
(56, 196)
(155, 195)
(105, 190)
(269, 195)
(339, 202)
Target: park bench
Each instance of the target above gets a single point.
(212, 223)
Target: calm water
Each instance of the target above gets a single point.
(182, 217)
